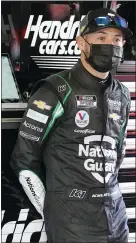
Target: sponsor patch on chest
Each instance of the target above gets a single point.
(115, 105)
(86, 101)
(82, 119)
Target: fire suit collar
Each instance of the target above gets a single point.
(87, 80)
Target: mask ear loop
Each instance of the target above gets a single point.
(89, 45)
(86, 41)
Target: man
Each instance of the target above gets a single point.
(76, 121)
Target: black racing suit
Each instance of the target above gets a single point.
(77, 130)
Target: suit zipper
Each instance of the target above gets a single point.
(104, 130)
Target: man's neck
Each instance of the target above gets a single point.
(92, 71)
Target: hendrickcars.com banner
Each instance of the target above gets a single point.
(57, 46)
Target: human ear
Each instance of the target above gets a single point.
(123, 42)
(80, 42)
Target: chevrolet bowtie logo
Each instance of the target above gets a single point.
(42, 105)
(114, 116)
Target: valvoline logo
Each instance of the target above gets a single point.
(82, 116)
(82, 119)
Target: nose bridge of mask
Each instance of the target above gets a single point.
(102, 49)
(106, 50)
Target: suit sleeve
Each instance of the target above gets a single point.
(39, 118)
(123, 136)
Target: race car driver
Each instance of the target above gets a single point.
(75, 126)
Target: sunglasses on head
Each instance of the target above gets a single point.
(106, 20)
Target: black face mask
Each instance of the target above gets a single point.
(104, 57)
